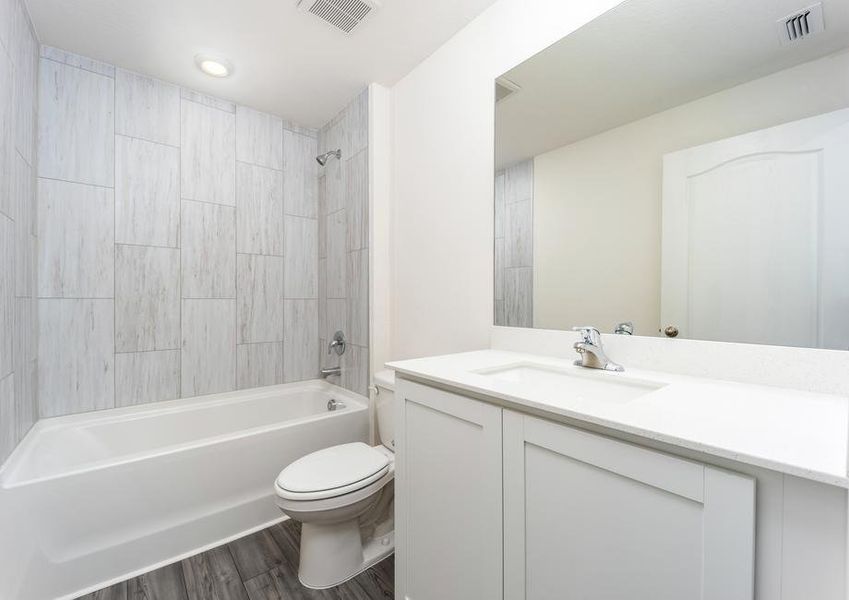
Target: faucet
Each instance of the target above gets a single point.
(325, 373)
(591, 351)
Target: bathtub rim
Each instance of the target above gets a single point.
(9, 478)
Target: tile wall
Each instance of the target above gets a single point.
(18, 306)
(343, 244)
(514, 245)
(179, 241)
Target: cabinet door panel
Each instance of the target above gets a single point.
(598, 519)
(448, 486)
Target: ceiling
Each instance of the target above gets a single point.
(286, 61)
(644, 57)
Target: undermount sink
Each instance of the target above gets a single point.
(576, 383)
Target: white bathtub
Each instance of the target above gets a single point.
(87, 500)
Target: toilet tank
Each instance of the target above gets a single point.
(384, 383)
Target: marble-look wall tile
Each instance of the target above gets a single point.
(142, 377)
(259, 210)
(322, 220)
(300, 171)
(7, 11)
(336, 254)
(7, 147)
(76, 126)
(357, 202)
(208, 359)
(147, 298)
(335, 319)
(147, 108)
(357, 295)
(499, 268)
(147, 193)
(208, 239)
(75, 60)
(518, 297)
(259, 296)
(206, 100)
(25, 349)
(8, 419)
(7, 294)
(519, 182)
(208, 154)
(259, 364)
(355, 369)
(24, 55)
(500, 317)
(301, 255)
(76, 356)
(259, 138)
(76, 233)
(355, 123)
(499, 204)
(300, 346)
(519, 234)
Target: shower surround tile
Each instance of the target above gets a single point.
(7, 294)
(147, 298)
(259, 298)
(208, 359)
(259, 364)
(300, 346)
(147, 193)
(76, 356)
(259, 138)
(208, 239)
(357, 297)
(147, 108)
(142, 377)
(259, 210)
(75, 60)
(24, 55)
(336, 254)
(6, 129)
(356, 201)
(355, 124)
(301, 255)
(300, 171)
(8, 419)
(76, 233)
(208, 154)
(518, 297)
(76, 127)
(519, 236)
(355, 369)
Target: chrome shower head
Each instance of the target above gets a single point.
(323, 158)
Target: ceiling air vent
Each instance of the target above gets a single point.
(801, 24)
(342, 14)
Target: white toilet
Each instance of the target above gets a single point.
(343, 496)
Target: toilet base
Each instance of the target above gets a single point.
(333, 554)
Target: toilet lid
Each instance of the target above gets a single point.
(336, 468)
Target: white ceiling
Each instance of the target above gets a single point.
(646, 56)
(286, 61)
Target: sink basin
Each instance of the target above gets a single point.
(576, 383)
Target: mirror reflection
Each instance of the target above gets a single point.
(680, 169)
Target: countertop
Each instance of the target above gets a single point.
(790, 431)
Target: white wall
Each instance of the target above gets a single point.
(598, 201)
(443, 173)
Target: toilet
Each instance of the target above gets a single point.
(343, 496)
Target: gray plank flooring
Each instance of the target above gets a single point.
(260, 566)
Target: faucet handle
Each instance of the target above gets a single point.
(590, 334)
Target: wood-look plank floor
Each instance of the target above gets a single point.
(261, 566)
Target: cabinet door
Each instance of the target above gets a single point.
(590, 518)
(448, 496)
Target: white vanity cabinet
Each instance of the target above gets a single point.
(592, 518)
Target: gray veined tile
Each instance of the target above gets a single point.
(8, 421)
(335, 318)
(519, 182)
(259, 138)
(7, 294)
(259, 364)
(355, 123)
(357, 200)
(499, 204)
(147, 108)
(208, 154)
(499, 268)
(518, 297)
(25, 349)
(147, 193)
(259, 210)
(300, 347)
(301, 255)
(300, 171)
(335, 181)
(357, 281)
(76, 233)
(500, 317)
(76, 356)
(260, 298)
(208, 101)
(147, 298)
(208, 241)
(519, 234)
(7, 8)
(322, 221)
(355, 369)
(208, 358)
(76, 60)
(336, 255)
(142, 377)
(76, 125)
(24, 55)
(6, 141)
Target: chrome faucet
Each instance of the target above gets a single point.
(591, 351)
(325, 373)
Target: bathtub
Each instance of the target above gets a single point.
(88, 500)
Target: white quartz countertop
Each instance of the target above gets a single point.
(790, 431)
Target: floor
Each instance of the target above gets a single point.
(261, 566)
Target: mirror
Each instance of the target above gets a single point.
(680, 168)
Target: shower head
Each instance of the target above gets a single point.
(323, 158)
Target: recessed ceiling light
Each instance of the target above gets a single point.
(213, 65)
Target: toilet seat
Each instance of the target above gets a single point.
(332, 472)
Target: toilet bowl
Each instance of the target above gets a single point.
(343, 496)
